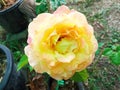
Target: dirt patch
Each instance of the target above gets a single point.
(114, 18)
(113, 9)
(38, 83)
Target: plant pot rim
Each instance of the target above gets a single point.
(16, 4)
(9, 66)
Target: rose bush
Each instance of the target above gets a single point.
(61, 43)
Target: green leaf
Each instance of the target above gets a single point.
(114, 40)
(42, 7)
(107, 52)
(17, 55)
(30, 68)
(80, 76)
(118, 48)
(38, 0)
(115, 58)
(98, 51)
(100, 44)
(114, 47)
(23, 61)
(99, 48)
(57, 3)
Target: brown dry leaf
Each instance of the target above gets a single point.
(9, 2)
(38, 83)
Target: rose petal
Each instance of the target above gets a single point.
(46, 50)
(62, 10)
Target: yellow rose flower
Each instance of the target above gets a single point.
(61, 43)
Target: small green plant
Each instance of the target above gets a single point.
(48, 5)
(113, 53)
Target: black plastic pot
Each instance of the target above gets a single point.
(12, 79)
(80, 86)
(12, 20)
